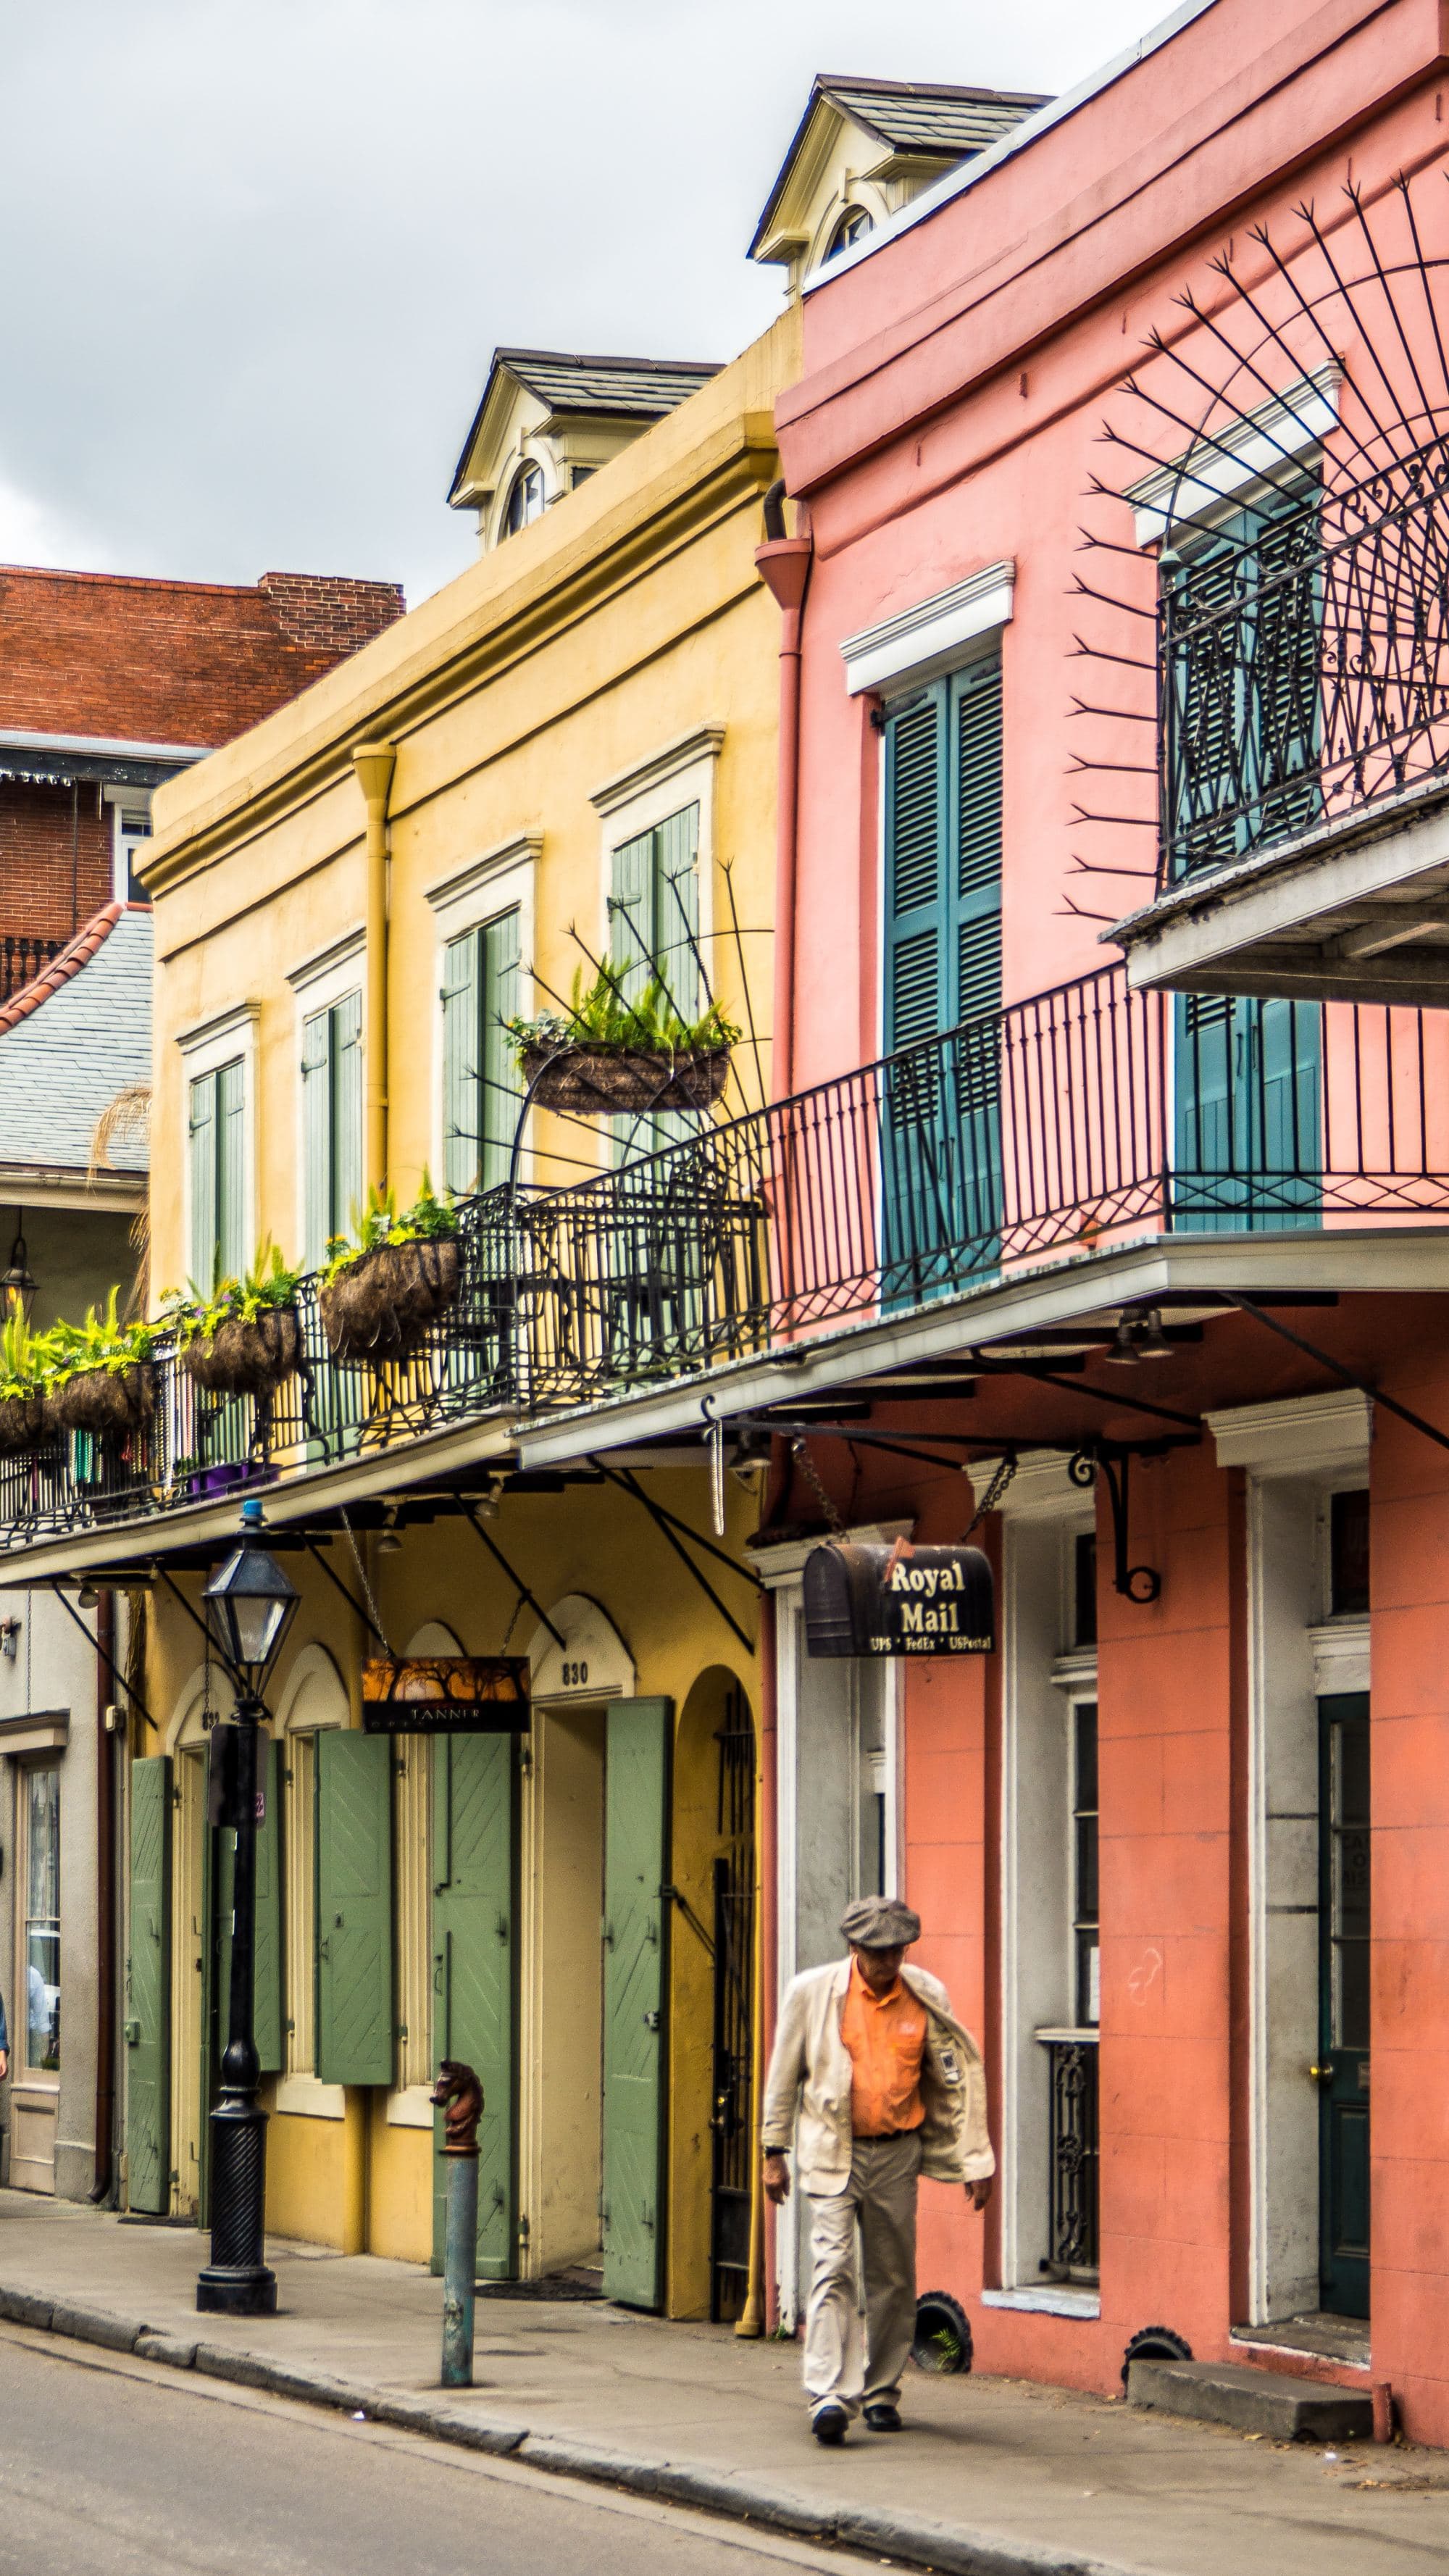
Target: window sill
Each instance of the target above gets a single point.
(305, 2097)
(1058, 2299)
(411, 2108)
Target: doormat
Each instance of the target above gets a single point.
(578, 2283)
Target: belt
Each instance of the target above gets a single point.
(882, 2137)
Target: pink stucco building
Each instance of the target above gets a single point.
(1117, 471)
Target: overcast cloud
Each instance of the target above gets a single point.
(259, 250)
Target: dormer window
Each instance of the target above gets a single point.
(525, 500)
(853, 226)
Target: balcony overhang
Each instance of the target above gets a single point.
(1094, 1288)
(1357, 910)
(122, 1548)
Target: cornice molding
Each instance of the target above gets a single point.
(705, 742)
(921, 642)
(524, 850)
(1303, 1436)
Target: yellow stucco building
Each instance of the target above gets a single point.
(569, 754)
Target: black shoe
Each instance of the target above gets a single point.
(883, 2419)
(829, 2426)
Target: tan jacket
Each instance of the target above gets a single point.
(809, 2082)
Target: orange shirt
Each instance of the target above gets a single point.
(886, 2037)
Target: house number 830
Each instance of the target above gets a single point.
(575, 1676)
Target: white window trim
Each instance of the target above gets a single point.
(1042, 1495)
(1307, 1435)
(204, 1049)
(935, 636)
(503, 879)
(319, 983)
(124, 803)
(1287, 427)
(681, 774)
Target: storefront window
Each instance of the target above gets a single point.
(42, 1918)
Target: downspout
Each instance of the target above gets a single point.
(784, 568)
(374, 763)
(105, 1902)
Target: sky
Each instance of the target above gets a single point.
(259, 251)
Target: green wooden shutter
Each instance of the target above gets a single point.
(354, 1909)
(231, 1231)
(475, 1978)
(676, 909)
(317, 1137)
(267, 1971)
(148, 1992)
(347, 1113)
(916, 966)
(201, 1149)
(631, 911)
(500, 1091)
(462, 1135)
(636, 1952)
(978, 841)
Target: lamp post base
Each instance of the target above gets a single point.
(224, 2293)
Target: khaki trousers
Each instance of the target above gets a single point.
(880, 2198)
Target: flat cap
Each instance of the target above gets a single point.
(880, 1923)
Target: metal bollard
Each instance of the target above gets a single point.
(459, 2096)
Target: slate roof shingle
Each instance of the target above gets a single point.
(72, 1039)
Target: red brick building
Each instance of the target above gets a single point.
(108, 684)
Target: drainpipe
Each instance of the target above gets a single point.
(105, 1901)
(784, 568)
(374, 763)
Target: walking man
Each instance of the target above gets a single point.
(875, 2082)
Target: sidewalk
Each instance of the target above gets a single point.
(992, 2477)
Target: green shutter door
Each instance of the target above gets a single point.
(499, 1092)
(976, 1160)
(317, 1137)
(462, 1133)
(347, 1114)
(918, 998)
(232, 1245)
(631, 909)
(201, 1149)
(636, 1944)
(148, 2061)
(354, 1909)
(267, 1950)
(475, 1973)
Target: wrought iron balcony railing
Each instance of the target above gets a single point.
(1065, 1124)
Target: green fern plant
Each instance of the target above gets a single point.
(22, 1362)
(101, 1345)
(379, 1222)
(267, 1285)
(598, 1015)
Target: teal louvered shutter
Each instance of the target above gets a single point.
(346, 1018)
(475, 1973)
(317, 1137)
(201, 1151)
(500, 1092)
(148, 1992)
(354, 1909)
(267, 1952)
(462, 1136)
(977, 838)
(231, 1233)
(915, 906)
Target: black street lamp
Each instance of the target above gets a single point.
(250, 1604)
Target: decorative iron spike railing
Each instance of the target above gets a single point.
(1265, 600)
(1072, 1122)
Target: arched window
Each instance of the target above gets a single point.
(525, 500)
(853, 226)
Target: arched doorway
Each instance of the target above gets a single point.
(714, 2000)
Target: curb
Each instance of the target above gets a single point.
(946, 2549)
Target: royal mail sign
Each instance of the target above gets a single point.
(900, 1600)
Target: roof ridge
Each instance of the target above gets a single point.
(76, 953)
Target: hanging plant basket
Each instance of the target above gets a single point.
(381, 1306)
(247, 1358)
(103, 1401)
(22, 1423)
(601, 1081)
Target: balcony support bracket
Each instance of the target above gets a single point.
(1112, 1460)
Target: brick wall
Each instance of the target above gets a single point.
(55, 859)
(327, 615)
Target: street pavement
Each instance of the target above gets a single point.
(991, 2474)
(120, 2468)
